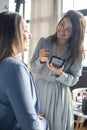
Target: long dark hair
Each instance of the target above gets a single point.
(78, 32)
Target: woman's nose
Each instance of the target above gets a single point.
(62, 31)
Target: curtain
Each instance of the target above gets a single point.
(43, 20)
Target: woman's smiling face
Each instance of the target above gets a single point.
(26, 35)
(64, 29)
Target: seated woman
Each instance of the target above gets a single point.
(18, 100)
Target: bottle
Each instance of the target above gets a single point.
(79, 97)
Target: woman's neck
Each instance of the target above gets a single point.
(60, 46)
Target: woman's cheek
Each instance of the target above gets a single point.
(26, 42)
(26, 37)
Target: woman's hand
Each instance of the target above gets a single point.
(40, 116)
(57, 71)
(43, 55)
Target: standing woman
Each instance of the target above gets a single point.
(53, 84)
(18, 100)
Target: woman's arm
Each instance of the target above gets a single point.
(71, 78)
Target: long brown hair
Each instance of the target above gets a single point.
(10, 34)
(78, 32)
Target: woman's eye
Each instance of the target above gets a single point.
(61, 24)
(25, 31)
(69, 30)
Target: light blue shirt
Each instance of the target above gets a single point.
(18, 99)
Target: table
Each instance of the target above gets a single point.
(77, 110)
(80, 119)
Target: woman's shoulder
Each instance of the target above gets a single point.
(46, 38)
(45, 41)
(11, 62)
